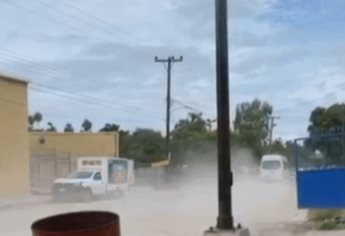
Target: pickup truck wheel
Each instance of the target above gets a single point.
(87, 195)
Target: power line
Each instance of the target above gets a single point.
(73, 29)
(30, 64)
(74, 17)
(185, 106)
(98, 19)
(15, 5)
(120, 107)
(88, 100)
(46, 18)
(196, 105)
(59, 115)
(65, 76)
(52, 70)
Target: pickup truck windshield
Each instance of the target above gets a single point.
(80, 175)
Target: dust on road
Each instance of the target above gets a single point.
(185, 210)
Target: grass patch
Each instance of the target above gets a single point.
(323, 215)
(328, 225)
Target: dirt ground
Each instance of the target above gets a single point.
(185, 210)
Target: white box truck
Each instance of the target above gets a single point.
(96, 176)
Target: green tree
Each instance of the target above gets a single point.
(192, 128)
(209, 123)
(327, 120)
(38, 118)
(110, 128)
(124, 136)
(51, 127)
(124, 143)
(192, 137)
(86, 126)
(68, 128)
(31, 121)
(146, 146)
(251, 125)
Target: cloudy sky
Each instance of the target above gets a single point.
(95, 59)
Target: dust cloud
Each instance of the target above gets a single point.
(186, 206)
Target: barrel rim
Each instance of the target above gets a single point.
(35, 227)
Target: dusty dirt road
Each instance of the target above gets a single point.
(267, 208)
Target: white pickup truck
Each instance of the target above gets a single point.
(96, 176)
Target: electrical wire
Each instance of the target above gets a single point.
(27, 10)
(101, 21)
(69, 79)
(87, 100)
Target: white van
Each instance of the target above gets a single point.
(96, 176)
(274, 167)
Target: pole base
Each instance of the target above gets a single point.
(234, 232)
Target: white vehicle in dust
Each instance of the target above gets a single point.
(274, 167)
(96, 176)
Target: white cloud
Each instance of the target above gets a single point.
(270, 58)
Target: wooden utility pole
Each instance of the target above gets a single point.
(168, 61)
(271, 125)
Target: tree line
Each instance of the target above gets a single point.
(35, 120)
(326, 136)
(194, 138)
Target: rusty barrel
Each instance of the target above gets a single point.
(89, 223)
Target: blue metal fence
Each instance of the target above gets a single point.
(320, 169)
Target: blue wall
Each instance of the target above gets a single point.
(324, 188)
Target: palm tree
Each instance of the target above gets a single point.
(31, 121)
(51, 127)
(38, 118)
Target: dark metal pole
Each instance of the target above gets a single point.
(225, 179)
(168, 107)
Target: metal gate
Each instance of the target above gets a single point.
(45, 167)
(320, 168)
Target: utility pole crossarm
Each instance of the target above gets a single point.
(160, 60)
(172, 59)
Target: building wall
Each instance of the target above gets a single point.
(14, 145)
(75, 144)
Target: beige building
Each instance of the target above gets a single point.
(75, 144)
(54, 155)
(14, 142)
(17, 168)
